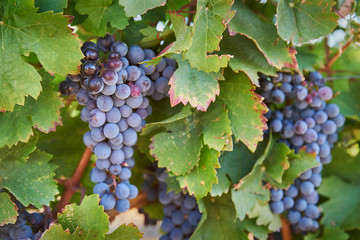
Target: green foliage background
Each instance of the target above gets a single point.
(209, 134)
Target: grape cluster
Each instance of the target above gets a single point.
(181, 213)
(25, 226)
(114, 92)
(303, 119)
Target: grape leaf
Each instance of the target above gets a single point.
(200, 179)
(262, 33)
(191, 85)
(56, 232)
(8, 210)
(139, 7)
(340, 193)
(20, 152)
(277, 161)
(216, 127)
(249, 190)
(152, 37)
(250, 61)
(236, 164)
(89, 215)
(343, 165)
(218, 221)
(182, 34)
(69, 137)
(125, 232)
(264, 216)
(349, 100)
(300, 22)
(152, 126)
(331, 233)
(299, 163)
(45, 34)
(178, 149)
(246, 109)
(54, 5)
(35, 185)
(100, 13)
(42, 113)
(210, 22)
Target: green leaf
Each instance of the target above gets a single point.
(45, 34)
(43, 113)
(55, 232)
(191, 85)
(152, 37)
(343, 165)
(209, 24)
(152, 126)
(249, 191)
(237, 164)
(300, 22)
(331, 233)
(8, 210)
(69, 137)
(200, 179)
(88, 216)
(20, 152)
(264, 34)
(250, 61)
(182, 34)
(216, 127)
(246, 109)
(54, 5)
(178, 149)
(349, 99)
(344, 194)
(264, 216)
(136, 7)
(219, 221)
(277, 161)
(100, 13)
(125, 232)
(35, 185)
(299, 163)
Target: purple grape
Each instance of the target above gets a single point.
(103, 164)
(134, 102)
(113, 116)
(277, 207)
(329, 127)
(89, 141)
(102, 150)
(97, 175)
(96, 118)
(307, 188)
(111, 130)
(101, 189)
(135, 54)
(122, 91)
(104, 103)
(115, 169)
(125, 174)
(105, 43)
(120, 47)
(97, 133)
(117, 157)
(325, 93)
(122, 205)
(125, 111)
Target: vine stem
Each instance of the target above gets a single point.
(335, 57)
(73, 183)
(286, 231)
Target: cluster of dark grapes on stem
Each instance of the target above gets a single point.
(114, 93)
(181, 212)
(302, 117)
(27, 226)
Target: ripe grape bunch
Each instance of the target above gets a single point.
(303, 118)
(114, 92)
(24, 227)
(181, 213)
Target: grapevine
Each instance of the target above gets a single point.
(186, 119)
